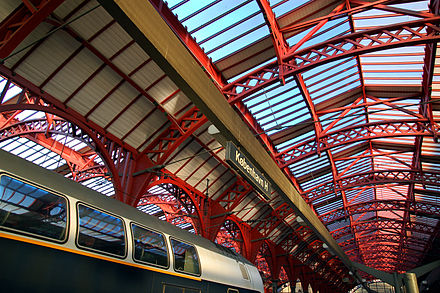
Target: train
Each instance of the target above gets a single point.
(59, 236)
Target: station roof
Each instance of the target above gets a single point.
(341, 94)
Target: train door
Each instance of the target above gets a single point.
(170, 288)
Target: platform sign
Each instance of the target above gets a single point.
(240, 163)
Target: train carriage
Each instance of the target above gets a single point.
(59, 236)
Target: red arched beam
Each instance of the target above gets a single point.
(381, 238)
(381, 38)
(353, 134)
(373, 177)
(38, 132)
(189, 197)
(112, 149)
(81, 165)
(77, 130)
(20, 23)
(415, 208)
(383, 224)
(235, 230)
(172, 208)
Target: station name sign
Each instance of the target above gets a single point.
(240, 163)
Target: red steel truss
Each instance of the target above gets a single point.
(353, 134)
(393, 232)
(393, 36)
(416, 208)
(377, 177)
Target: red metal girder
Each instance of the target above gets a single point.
(383, 238)
(189, 197)
(117, 156)
(37, 93)
(234, 194)
(353, 134)
(189, 42)
(170, 139)
(20, 23)
(312, 110)
(279, 42)
(87, 173)
(382, 224)
(77, 130)
(415, 208)
(82, 165)
(385, 37)
(372, 177)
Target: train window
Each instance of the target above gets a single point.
(100, 231)
(233, 290)
(185, 257)
(29, 209)
(149, 246)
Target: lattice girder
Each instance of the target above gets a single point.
(361, 132)
(172, 137)
(372, 178)
(415, 208)
(382, 38)
(391, 225)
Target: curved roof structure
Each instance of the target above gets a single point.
(334, 101)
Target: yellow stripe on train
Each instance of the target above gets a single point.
(85, 253)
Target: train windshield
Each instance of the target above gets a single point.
(29, 209)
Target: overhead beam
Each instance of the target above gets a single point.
(141, 20)
(19, 24)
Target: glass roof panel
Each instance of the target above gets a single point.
(222, 27)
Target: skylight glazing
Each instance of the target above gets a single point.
(232, 24)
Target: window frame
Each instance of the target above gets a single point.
(134, 249)
(232, 290)
(33, 235)
(197, 253)
(97, 251)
